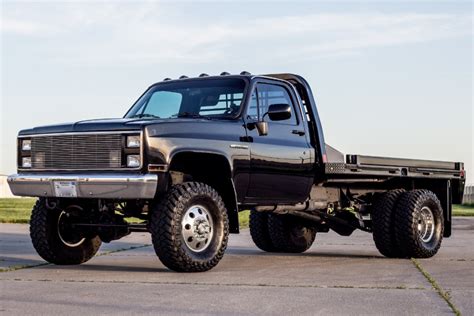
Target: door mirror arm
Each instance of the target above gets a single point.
(261, 126)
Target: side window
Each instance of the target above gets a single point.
(252, 111)
(269, 94)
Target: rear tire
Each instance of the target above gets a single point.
(290, 234)
(190, 228)
(66, 248)
(258, 224)
(383, 214)
(419, 224)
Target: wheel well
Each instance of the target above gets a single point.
(212, 169)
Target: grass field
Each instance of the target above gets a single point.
(19, 210)
(463, 210)
(16, 210)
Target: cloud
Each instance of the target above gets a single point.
(24, 27)
(150, 33)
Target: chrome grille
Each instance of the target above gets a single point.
(86, 151)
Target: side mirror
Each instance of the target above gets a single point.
(262, 128)
(279, 112)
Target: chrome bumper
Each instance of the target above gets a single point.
(113, 186)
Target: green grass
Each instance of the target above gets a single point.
(19, 210)
(463, 210)
(244, 219)
(16, 210)
(458, 210)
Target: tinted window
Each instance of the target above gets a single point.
(227, 102)
(205, 97)
(252, 111)
(269, 94)
(164, 102)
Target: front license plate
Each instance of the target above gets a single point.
(65, 188)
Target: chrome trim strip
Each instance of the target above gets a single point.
(80, 133)
(238, 146)
(89, 185)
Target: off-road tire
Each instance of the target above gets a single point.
(258, 223)
(290, 234)
(383, 228)
(166, 228)
(47, 242)
(407, 236)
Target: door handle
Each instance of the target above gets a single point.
(298, 132)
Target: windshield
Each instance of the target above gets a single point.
(202, 98)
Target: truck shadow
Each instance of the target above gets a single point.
(119, 268)
(250, 255)
(315, 254)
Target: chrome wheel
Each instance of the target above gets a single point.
(65, 232)
(197, 228)
(426, 224)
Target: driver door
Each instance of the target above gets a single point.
(281, 161)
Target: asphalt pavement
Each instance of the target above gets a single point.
(337, 276)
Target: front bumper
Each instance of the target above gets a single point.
(84, 185)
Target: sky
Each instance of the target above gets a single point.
(391, 78)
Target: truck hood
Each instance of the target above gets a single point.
(113, 124)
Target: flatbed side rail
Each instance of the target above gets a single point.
(358, 165)
(398, 162)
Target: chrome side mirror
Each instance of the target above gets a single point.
(262, 128)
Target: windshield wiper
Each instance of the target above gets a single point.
(145, 115)
(192, 115)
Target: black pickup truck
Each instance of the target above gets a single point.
(193, 152)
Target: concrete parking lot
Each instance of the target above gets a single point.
(338, 275)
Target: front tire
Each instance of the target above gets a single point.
(419, 224)
(190, 228)
(55, 240)
(290, 234)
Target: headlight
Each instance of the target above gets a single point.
(133, 161)
(26, 144)
(26, 162)
(133, 141)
